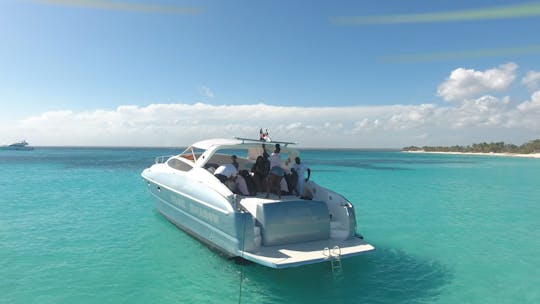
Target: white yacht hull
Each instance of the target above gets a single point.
(276, 233)
(198, 220)
(233, 234)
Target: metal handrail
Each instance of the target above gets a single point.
(285, 143)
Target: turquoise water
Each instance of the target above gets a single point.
(77, 226)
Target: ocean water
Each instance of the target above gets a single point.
(78, 226)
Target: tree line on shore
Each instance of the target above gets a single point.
(495, 147)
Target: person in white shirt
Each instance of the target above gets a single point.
(275, 158)
(276, 173)
(300, 169)
(225, 172)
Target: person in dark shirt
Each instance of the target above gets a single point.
(260, 173)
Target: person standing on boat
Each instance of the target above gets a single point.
(260, 171)
(275, 159)
(234, 160)
(300, 169)
(276, 172)
(265, 154)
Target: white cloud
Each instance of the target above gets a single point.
(469, 119)
(531, 106)
(486, 111)
(468, 83)
(531, 80)
(205, 91)
(357, 126)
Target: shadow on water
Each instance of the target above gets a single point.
(384, 276)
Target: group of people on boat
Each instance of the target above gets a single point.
(268, 174)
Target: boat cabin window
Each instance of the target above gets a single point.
(179, 165)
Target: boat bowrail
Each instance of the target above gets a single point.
(162, 159)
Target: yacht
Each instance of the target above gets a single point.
(277, 231)
(21, 145)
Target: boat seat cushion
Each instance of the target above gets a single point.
(293, 221)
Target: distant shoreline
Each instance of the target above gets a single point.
(531, 155)
(183, 148)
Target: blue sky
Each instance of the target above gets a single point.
(384, 69)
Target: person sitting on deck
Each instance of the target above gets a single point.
(245, 184)
(226, 172)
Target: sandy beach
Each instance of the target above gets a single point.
(532, 155)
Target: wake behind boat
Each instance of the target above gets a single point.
(21, 145)
(275, 231)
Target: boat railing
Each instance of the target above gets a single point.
(162, 159)
(284, 143)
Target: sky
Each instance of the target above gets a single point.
(344, 74)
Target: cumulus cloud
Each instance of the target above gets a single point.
(531, 80)
(473, 116)
(468, 83)
(527, 114)
(531, 106)
(486, 111)
(356, 126)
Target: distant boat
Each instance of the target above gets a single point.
(21, 145)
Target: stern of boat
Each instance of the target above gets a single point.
(292, 232)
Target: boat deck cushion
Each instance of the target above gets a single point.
(294, 221)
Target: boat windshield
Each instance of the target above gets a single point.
(247, 156)
(192, 153)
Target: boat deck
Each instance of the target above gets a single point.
(293, 255)
(251, 202)
(297, 254)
